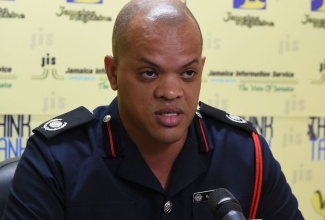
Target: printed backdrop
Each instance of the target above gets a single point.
(265, 62)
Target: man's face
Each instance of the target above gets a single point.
(158, 80)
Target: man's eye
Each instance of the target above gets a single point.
(188, 74)
(149, 74)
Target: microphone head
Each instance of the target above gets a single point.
(221, 202)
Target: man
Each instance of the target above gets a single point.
(147, 155)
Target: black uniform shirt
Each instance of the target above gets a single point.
(84, 166)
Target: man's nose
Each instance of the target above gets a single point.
(169, 87)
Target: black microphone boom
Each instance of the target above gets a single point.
(224, 206)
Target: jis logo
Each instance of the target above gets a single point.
(250, 4)
(47, 62)
(86, 1)
(318, 5)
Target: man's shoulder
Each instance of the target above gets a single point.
(73, 119)
(207, 112)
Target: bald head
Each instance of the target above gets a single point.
(165, 12)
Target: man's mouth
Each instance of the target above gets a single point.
(170, 114)
(170, 117)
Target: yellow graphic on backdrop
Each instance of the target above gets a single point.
(255, 4)
(322, 7)
(318, 203)
(46, 73)
(5, 76)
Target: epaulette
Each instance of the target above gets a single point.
(226, 117)
(64, 122)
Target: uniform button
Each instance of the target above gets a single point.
(107, 118)
(198, 114)
(168, 207)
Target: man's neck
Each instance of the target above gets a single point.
(161, 159)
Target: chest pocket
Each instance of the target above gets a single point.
(117, 210)
(202, 211)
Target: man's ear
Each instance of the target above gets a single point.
(111, 71)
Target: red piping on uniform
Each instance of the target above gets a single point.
(204, 137)
(258, 176)
(111, 143)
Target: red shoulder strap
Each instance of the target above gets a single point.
(258, 176)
